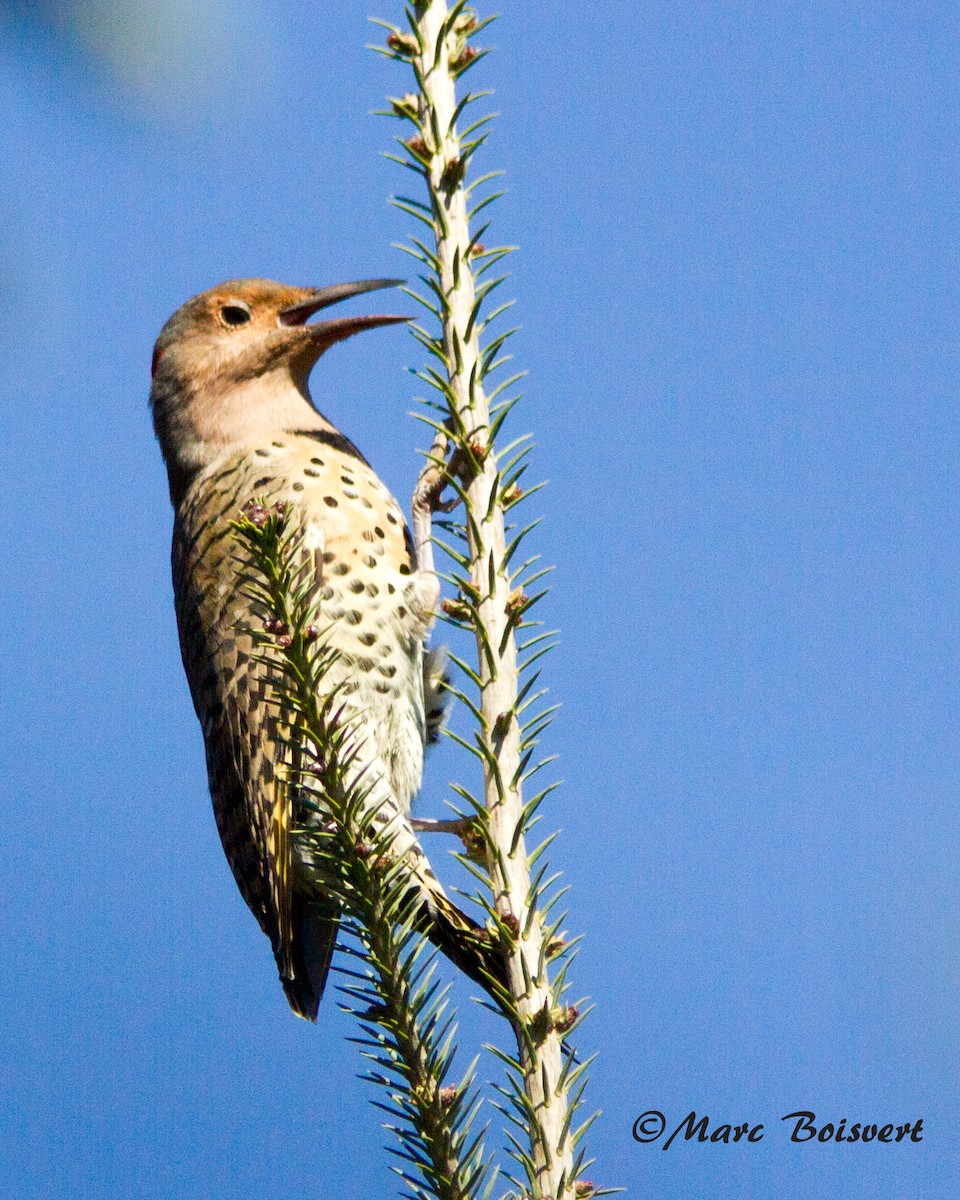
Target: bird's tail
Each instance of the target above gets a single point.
(421, 900)
(314, 937)
(468, 945)
(430, 911)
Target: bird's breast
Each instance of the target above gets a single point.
(366, 594)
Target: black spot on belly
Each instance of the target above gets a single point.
(263, 482)
(364, 664)
(327, 556)
(404, 569)
(365, 502)
(311, 472)
(388, 670)
(390, 588)
(356, 586)
(372, 589)
(279, 445)
(298, 487)
(367, 639)
(326, 593)
(378, 531)
(401, 612)
(367, 535)
(331, 501)
(354, 618)
(347, 480)
(317, 462)
(385, 689)
(369, 561)
(263, 453)
(391, 518)
(341, 568)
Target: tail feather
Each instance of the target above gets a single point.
(468, 945)
(315, 927)
(436, 694)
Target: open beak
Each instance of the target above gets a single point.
(324, 334)
(299, 313)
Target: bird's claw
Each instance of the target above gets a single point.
(467, 829)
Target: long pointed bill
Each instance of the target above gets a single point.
(326, 333)
(298, 314)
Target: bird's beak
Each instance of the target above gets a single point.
(297, 314)
(326, 333)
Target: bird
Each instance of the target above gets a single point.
(236, 424)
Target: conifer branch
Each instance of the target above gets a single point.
(494, 597)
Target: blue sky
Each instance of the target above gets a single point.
(737, 284)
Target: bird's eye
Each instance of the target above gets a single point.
(235, 314)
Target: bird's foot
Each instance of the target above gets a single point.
(439, 471)
(431, 825)
(467, 829)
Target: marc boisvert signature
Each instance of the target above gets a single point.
(652, 1124)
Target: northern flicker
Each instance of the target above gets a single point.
(235, 421)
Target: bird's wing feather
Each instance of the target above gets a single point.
(235, 701)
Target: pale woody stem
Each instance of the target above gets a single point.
(510, 872)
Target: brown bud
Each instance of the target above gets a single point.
(404, 106)
(584, 1187)
(311, 633)
(255, 513)
(417, 147)
(511, 494)
(511, 922)
(284, 640)
(452, 174)
(555, 947)
(403, 43)
(363, 849)
(479, 449)
(466, 57)
(456, 609)
(516, 600)
(565, 1017)
(477, 249)
(447, 1095)
(502, 724)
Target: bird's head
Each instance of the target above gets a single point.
(244, 328)
(232, 363)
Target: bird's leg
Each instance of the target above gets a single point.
(467, 829)
(432, 825)
(434, 477)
